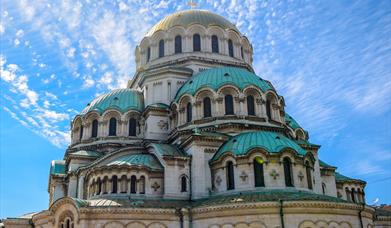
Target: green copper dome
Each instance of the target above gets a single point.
(270, 141)
(122, 100)
(291, 122)
(217, 77)
(145, 160)
(189, 17)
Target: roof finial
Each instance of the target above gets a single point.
(192, 4)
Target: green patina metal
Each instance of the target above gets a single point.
(217, 77)
(122, 100)
(146, 160)
(341, 178)
(168, 150)
(86, 153)
(159, 105)
(189, 17)
(324, 164)
(58, 167)
(291, 122)
(272, 142)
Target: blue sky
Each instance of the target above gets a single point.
(331, 60)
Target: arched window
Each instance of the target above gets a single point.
(352, 195)
(178, 44)
(215, 44)
(94, 132)
(324, 188)
(114, 184)
(268, 109)
(183, 184)
(250, 106)
(113, 127)
(207, 107)
(348, 196)
(196, 42)
(161, 48)
(288, 172)
(99, 186)
(230, 48)
(229, 105)
(81, 133)
(230, 176)
(132, 127)
(241, 52)
(148, 54)
(308, 173)
(188, 112)
(258, 172)
(124, 186)
(104, 185)
(133, 184)
(142, 185)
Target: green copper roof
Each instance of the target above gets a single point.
(291, 122)
(122, 100)
(341, 178)
(217, 77)
(189, 17)
(147, 160)
(58, 167)
(159, 105)
(86, 153)
(168, 150)
(324, 164)
(269, 141)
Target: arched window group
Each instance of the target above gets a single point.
(66, 223)
(118, 185)
(113, 127)
(188, 112)
(161, 48)
(215, 44)
(288, 172)
(207, 107)
(230, 176)
(229, 105)
(178, 44)
(196, 42)
(132, 127)
(230, 48)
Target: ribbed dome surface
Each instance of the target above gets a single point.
(189, 17)
(122, 100)
(270, 141)
(145, 160)
(217, 77)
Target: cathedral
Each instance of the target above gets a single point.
(196, 140)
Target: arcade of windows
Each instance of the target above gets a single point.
(196, 46)
(258, 170)
(117, 185)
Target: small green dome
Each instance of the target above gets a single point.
(189, 17)
(138, 160)
(270, 141)
(122, 100)
(217, 77)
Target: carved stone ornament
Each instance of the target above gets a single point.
(243, 176)
(163, 125)
(274, 174)
(218, 180)
(301, 176)
(155, 186)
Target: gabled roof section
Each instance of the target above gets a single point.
(58, 167)
(342, 178)
(168, 150)
(122, 100)
(270, 141)
(138, 160)
(217, 77)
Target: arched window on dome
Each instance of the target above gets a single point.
(258, 172)
(148, 54)
(288, 172)
(207, 107)
(113, 127)
(94, 131)
(250, 105)
(133, 184)
(230, 176)
(99, 182)
(324, 188)
(183, 184)
(215, 44)
(81, 133)
(142, 185)
(161, 48)
(132, 127)
(230, 48)
(178, 44)
(308, 174)
(188, 112)
(241, 52)
(114, 184)
(229, 105)
(196, 42)
(268, 109)
(124, 186)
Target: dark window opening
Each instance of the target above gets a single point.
(196, 42)
(188, 112)
(133, 183)
(94, 132)
(161, 48)
(114, 185)
(215, 44)
(230, 176)
(178, 44)
(132, 127)
(268, 109)
(250, 106)
(148, 54)
(308, 172)
(258, 172)
(288, 172)
(207, 107)
(183, 184)
(229, 105)
(113, 127)
(81, 133)
(230, 48)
